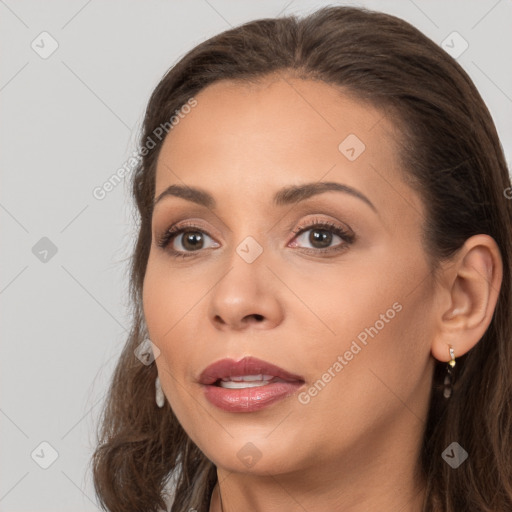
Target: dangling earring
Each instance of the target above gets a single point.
(160, 398)
(448, 380)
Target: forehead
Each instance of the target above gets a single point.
(257, 137)
(231, 115)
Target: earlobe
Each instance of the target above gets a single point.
(471, 289)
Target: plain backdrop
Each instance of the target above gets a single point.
(69, 120)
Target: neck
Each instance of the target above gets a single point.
(335, 488)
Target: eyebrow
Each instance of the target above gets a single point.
(283, 197)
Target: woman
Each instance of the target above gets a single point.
(323, 269)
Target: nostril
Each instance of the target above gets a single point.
(253, 318)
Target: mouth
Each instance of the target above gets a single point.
(247, 381)
(247, 385)
(248, 372)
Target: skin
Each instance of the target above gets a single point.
(355, 445)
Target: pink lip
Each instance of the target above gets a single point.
(247, 399)
(246, 366)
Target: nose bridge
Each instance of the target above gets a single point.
(250, 236)
(250, 251)
(246, 291)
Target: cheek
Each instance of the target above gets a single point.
(172, 305)
(355, 387)
(375, 316)
(167, 297)
(340, 302)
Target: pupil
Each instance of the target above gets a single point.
(191, 238)
(324, 237)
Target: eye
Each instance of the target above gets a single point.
(188, 238)
(321, 235)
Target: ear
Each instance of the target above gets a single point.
(467, 296)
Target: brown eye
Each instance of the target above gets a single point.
(184, 240)
(321, 235)
(192, 240)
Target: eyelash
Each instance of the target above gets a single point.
(174, 231)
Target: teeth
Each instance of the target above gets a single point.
(241, 382)
(240, 385)
(248, 378)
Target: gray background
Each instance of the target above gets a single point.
(69, 121)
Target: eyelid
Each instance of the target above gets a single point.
(312, 222)
(178, 228)
(307, 223)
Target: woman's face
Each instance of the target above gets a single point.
(343, 305)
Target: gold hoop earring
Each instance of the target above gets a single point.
(452, 355)
(448, 380)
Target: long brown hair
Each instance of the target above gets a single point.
(450, 153)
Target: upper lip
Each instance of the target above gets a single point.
(247, 366)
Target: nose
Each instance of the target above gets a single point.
(247, 296)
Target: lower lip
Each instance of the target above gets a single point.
(250, 399)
